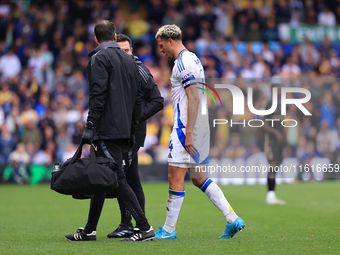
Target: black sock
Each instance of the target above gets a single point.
(96, 206)
(144, 226)
(271, 184)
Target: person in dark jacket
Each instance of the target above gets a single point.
(113, 118)
(152, 102)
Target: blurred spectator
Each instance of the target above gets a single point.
(10, 65)
(308, 64)
(264, 9)
(119, 21)
(156, 12)
(328, 110)
(291, 69)
(32, 134)
(78, 132)
(41, 106)
(44, 156)
(267, 54)
(301, 147)
(241, 27)
(311, 17)
(270, 31)
(63, 140)
(229, 73)
(46, 77)
(5, 95)
(259, 66)
(254, 32)
(326, 139)
(210, 69)
(306, 126)
(137, 27)
(60, 113)
(77, 82)
(19, 155)
(247, 71)
(59, 77)
(235, 149)
(306, 158)
(2, 116)
(7, 144)
(309, 52)
(28, 113)
(45, 55)
(224, 15)
(17, 169)
(326, 18)
(35, 63)
(172, 17)
(283, 13)
(326, 47)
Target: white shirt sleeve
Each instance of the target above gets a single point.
(188, 71)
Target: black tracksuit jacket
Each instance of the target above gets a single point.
(115, 94)
(152, 101)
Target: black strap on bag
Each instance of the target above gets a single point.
(85, 176)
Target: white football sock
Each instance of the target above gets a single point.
(175, 200)
(216, 196)
(271, 194)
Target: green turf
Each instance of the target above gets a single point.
(34, 220)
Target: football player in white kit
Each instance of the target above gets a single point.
(189, 140)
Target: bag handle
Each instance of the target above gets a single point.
(93, 154)
(77, 154)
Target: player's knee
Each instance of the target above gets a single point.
(172, 178)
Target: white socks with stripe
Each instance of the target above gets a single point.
(216, 196)
(175, 200)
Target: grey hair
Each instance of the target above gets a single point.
(169, 31)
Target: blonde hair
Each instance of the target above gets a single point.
(169, 31)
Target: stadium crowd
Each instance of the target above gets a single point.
(44, 48)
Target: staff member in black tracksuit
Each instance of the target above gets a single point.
(113, 118)
(152, 102)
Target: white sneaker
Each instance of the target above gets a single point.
(274, 201)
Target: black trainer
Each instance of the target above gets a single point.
(121, 231)
(81, 236)
(140, 235)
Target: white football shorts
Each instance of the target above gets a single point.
(178, 156)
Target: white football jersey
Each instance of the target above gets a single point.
(187, 71)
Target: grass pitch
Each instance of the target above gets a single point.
(34, 220)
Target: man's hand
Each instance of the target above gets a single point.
(88, 135)
(189, 144)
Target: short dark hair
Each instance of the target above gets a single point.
(105, 31)
(124, 38)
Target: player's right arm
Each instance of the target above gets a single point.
(188, 74)
(193, 104)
